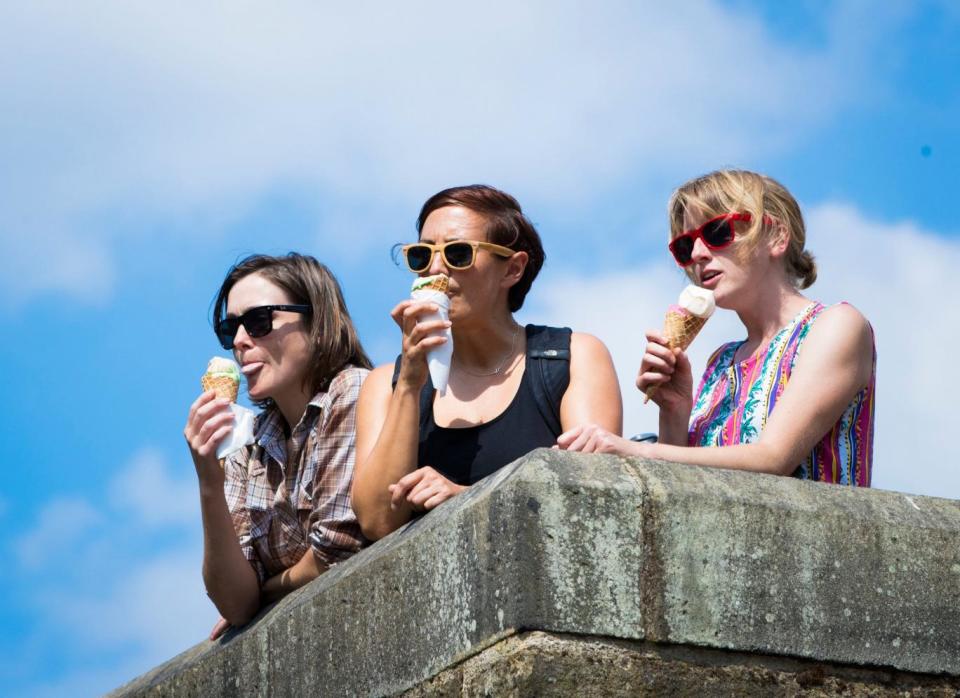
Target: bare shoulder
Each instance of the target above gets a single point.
(842, 325)
(589, 357)
(378, 383)
(586, 346)
(840, 343)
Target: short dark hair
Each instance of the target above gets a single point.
(506, 225)
(333, 338)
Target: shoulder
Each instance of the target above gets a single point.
(839, 340)
(379, 381)
(586, 346)
(342, 394)
(345, 386)
(842, 313)
(588, 356)
(349, 378)
(841, 325)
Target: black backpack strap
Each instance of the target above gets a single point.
(549, 351)
(426, 395)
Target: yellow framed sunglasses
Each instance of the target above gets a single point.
(457, 254)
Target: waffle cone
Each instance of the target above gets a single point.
(222, 385)
(440, 282)
(680, 329)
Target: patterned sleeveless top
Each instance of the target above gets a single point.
(735, 399)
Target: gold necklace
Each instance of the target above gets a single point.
(498, 369)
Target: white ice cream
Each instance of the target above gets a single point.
(697, 301)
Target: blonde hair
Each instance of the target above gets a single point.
(764, 198)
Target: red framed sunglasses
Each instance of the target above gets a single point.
(716, 234)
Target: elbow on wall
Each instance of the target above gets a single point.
(375, 527)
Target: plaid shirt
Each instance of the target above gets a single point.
(288, 494)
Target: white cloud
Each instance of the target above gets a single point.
(128, 592)
(898, 275)
(114, 112)
(62, 523)
(158, 606)
(146, 489)
(152, 611)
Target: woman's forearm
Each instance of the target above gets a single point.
(307, 568)
(230, 580)
(756, 457)
(394, 454)
(673, 427)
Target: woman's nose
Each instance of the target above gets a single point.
(437, 265)
(700, 252)
(242, 340)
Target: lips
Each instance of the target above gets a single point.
(709, 278)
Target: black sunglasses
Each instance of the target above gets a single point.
(258, 322)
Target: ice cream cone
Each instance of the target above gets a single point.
(222, 377)
(684, 321)
(438, 282)
(681, 326)
(224, 386)
(433, 289)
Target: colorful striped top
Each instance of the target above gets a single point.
(735, 399)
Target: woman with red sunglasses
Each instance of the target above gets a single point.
(277, 513)
(511, 388)
(772, 407)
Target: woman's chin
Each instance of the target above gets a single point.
(256, 392)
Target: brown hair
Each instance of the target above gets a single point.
(506, 225)
(333, 338)
(727, 191)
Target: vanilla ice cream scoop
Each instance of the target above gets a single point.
(697, 301)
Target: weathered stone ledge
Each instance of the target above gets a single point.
(607, 549)
(544, 664)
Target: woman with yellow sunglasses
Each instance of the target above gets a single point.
(511, 388)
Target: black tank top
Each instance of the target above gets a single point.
(467, 454)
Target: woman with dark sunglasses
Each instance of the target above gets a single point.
(773, 407)
(511, 388)
(277, 513)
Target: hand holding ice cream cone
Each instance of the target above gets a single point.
(684, 321)
(223, 378)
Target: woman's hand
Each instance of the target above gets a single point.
(591, 438)
(419, 337)
(219, 628)
(208, 423)
(668, 370)
(423, 489)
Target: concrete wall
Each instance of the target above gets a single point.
(563, 551)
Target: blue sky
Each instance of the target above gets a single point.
(144, 148)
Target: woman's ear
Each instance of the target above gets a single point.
(516, 265)
(779, 239)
